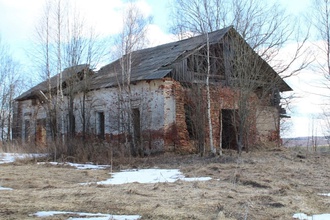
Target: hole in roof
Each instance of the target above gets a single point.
(175, 46)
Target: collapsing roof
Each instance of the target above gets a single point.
(148, 64)
(156, 62)
(42, 87)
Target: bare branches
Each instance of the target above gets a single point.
(63, 46)
(132, 37)
(266, 30)
(321, 22)
(265, 26)
(10, 85)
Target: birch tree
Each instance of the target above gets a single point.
(131, 38)
(82, 47)
(63, 43)
(10, 84)
(208, 96)
(43, 57)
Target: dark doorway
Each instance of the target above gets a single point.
(229, 121)
(27, 131)
(71, 125)
(100, 129)
(189, 122)
(136, 126)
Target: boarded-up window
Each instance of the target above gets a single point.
(41, 132)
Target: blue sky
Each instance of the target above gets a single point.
(18, 18)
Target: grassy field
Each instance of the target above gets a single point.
(272, 184)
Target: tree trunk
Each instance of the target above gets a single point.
(209, 115)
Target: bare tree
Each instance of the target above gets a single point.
(256, 87)
(131, 38)
(200, 22)
(44, 59)
(67, 47)
(266, 29)
(321, 23)
(9, 87)
(82, 47)
(265, 26)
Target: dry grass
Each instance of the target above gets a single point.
(259, 185)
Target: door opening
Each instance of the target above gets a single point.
(100, 128)
(229, 128)
(137, 126)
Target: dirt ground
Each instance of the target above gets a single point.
(270, 184)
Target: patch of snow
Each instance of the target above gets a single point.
(149, 176)
(49, 213)
(303, 216)
(11, 157)
(324, 194)
(300, 216)
(88, 166)
(87, 216)
(192, 179)
(4, 188)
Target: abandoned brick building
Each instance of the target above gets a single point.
(166, 95)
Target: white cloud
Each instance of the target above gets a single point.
(305, 126)
(104, 16)
(157, 36)
(307, 87)
(17, 18)
(144, 7)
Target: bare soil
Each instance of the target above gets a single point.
(269, 184)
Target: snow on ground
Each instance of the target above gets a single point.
(88, 166)
(324, 194)
(4, 188)
(149, 176)
(87, 216)
(127, 176)
(303, 216)
(11, 157)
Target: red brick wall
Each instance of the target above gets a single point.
(221, 98)
(184, 144)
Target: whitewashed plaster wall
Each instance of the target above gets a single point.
(30, 114)
(169, 103)
(154, 101)
(267, 120)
